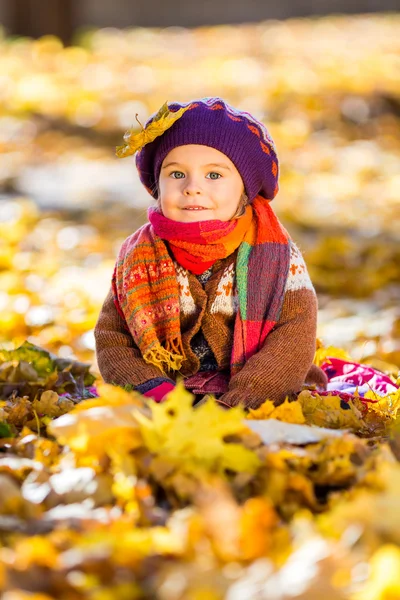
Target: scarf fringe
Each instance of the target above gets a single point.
(171, 355)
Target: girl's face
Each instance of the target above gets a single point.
(199, 183)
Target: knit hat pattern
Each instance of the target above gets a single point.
(213, 122)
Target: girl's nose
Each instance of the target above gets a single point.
(191, 187)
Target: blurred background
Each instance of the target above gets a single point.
(324, 76)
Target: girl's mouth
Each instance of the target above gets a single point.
(195, 208)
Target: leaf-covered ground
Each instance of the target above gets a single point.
(115, 497)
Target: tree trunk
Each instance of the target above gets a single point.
(35, 18)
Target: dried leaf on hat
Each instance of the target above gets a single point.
(134, 140)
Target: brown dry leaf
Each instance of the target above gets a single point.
(17, 371)
(19, 411)
(12, 501)
(51, 405)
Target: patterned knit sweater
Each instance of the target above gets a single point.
(208, 305)
(199, 343)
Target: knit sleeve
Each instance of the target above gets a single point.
(119, 359)
(280, 368)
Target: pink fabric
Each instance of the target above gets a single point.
(346, 376)
(160, 391)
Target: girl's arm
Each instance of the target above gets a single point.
(119, 359)
(280, 368)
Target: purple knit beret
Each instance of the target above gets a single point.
(212, 122)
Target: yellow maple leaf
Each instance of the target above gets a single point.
(326, 411)
(387, 406)
(262, 412)
(194, 439)
(322, 354)
(135, 140)
(289, 412)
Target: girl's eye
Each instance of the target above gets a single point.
(180, 175)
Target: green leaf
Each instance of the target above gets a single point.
(5, 431)
(40, 359)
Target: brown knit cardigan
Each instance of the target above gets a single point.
(280, 368)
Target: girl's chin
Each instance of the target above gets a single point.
(192, 216)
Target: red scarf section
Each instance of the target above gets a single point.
(197, 246)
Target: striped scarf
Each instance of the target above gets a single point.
(146, 291)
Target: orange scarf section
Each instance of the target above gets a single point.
(196, 246)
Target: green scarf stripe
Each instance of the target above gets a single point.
(145, 305)
(236, 364)
(242, 262)
(154, 283)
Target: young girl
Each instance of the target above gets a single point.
(212, 289)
